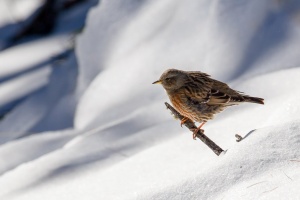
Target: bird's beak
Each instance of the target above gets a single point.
(157, 82)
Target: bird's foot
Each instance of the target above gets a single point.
(183, 121)
(196, 132)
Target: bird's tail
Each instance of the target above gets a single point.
(254, 99)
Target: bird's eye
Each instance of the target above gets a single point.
(168, 79)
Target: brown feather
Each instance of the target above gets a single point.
(199, 97)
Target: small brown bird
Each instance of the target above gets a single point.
(198, 97)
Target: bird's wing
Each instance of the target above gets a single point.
(204, 89)
(221, 93)
(198, 86)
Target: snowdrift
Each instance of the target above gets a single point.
(126, 145)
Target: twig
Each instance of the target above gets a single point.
(256, 184)
(295, 160)
(238, 137)
(192, 127)
(269, 190)
(287, 175)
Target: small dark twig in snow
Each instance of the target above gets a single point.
(191, 126)
(287, 175)
(269, 190)
(256, 184)
(238, 138)
(295, 160)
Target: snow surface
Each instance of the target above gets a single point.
(12, 11)
(124, 144)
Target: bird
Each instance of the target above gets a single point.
(198, 97)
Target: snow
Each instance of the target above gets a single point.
(102, 131)
(16, 10)
(39, 78)
(41, 49)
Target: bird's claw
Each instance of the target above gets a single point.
(183, 121)
(196, 132)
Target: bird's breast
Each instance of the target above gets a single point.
(180, 104)
(192, 109)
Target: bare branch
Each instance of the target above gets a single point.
(192, 127)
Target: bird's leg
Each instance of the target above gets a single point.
(196, 131)
(183, 121)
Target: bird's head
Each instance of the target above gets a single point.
(172, 79)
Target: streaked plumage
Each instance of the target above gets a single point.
(198, 97)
